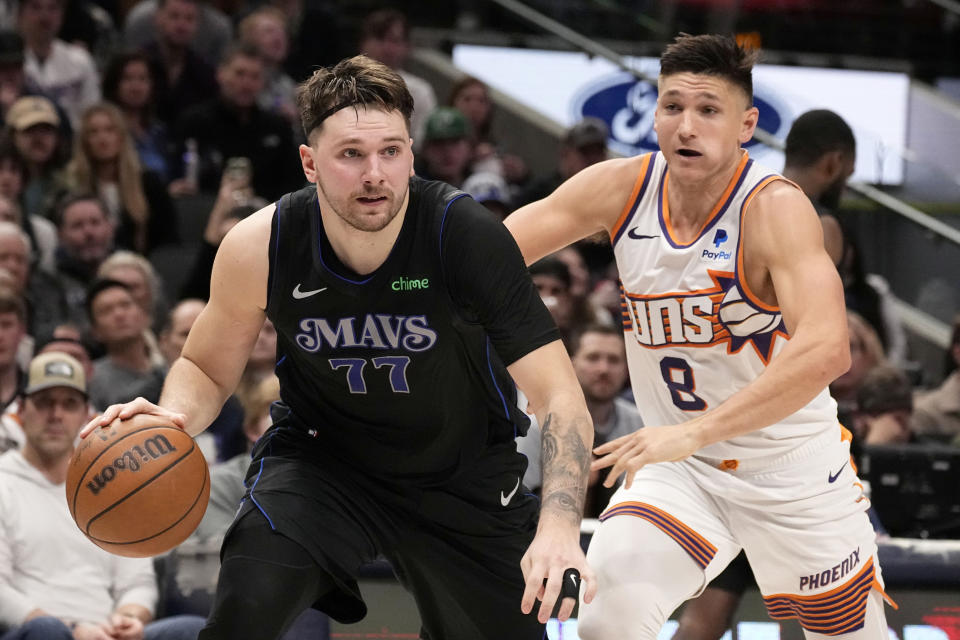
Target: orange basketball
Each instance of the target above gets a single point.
(139, 487)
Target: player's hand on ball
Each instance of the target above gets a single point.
(627, 454)
(128, 410)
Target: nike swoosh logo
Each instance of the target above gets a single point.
(300, 295)
(505, 499)
(573, 579)
(638, 236)
(831, 477)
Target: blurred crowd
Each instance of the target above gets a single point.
(135, 134)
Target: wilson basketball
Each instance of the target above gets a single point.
(139, 487)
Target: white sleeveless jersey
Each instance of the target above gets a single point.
(695, 334)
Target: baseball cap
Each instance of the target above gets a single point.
(446, 123)
(11, 47)
(32, 110)
(587, 132)
(485, 186)
(55, 369)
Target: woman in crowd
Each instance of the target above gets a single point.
(129, 82)
(105, 162)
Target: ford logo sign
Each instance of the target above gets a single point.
(627, 105)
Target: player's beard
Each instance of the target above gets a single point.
(356, 216)
(830, 198)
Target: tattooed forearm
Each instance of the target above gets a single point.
(566, 465)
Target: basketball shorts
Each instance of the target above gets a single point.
(800, 518)
(457, 549)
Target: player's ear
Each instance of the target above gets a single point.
(748, 124)
(308, 163)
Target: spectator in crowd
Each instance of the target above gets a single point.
(235, 200)
(131, 81)
(600, 362)
(233, 126)
(224, 438)
(13, 83)
(584, 144)
(186, 79)
(65, 72)
(266, 30)
(571, 313)
(937, 413)
(35, 130)
(884, 408)
(385, 36)
(89, 25)
(67, 338)
(41, 231)
(135, 271)
(447, 153)
(118, 323)
(105, 162)
(490, 190)
(819, 156)
(12, 330)
(866, 352)
(56, 585)
(85, 237)
(207, 30)
(472, 97)
(44, 296)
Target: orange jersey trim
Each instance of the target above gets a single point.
(717, 208)
(639, 187)
(692, 542)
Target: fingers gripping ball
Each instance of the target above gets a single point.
(139, 487)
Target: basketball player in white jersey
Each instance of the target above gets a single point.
(734, 322)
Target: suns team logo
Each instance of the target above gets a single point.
(720, 314)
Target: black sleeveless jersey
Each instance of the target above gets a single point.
(400, 373)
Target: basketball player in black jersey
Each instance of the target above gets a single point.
(404, 313)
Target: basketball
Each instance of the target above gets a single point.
(138, 487)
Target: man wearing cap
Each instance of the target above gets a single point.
(63, 71)
(34, 124)
(55, 584)
(584, 144)
(447, 151)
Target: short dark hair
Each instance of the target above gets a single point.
(9, 154)
(815, 133)
(377, 23)
(97, 287)
(163, 3)
(73, 198)
(552, 267)
(712, 55)
(114, 72)
(884, 388)
(239, 49)
(352, 82)
(602, 329)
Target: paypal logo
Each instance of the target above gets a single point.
(628, 105)
(719, 238)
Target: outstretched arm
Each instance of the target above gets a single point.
(220, 340)
(590, 202)
(547, 378)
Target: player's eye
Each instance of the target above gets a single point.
(392, 151)
(351, 153)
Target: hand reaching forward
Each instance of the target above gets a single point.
(627, 454)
